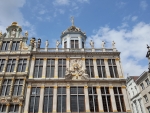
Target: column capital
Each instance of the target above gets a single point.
(105, 59)
(20, 104)
(29, 86)
(6, 58)
(42, 86)
(33, 58)
(110, 87)
(44, 58)
(83, 58)
(28, 58)
(55, 87)
(123, 86)
(98, 86)
(94, 59)
(67, 59)
(7, 104)
(117, 59)
(56, 58)
(68, 87)
(85, 86)
(17, 58)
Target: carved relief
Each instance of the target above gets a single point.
(76, 71)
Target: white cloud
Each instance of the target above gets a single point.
(82, 1)
(131, 44)
(42, 11)
(134, 18)
(143, 5)
(61, 2)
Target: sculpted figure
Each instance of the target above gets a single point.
(35, 44)
(39, 43)
(46, 44)
(103, 44)
(113, 44)
(57, 43)
(0, 33)
(92, 44)
(26, 33)
(13, 33)
(148, 52)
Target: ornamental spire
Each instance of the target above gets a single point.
(72, 20)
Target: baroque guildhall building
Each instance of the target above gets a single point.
(70, 79)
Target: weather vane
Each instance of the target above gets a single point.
(72, 20)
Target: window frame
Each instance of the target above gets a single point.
(114, 71)
(15, 46)
(61, 68)
(18, 85)
(12, 64)
(50, 66)
(37, 73)
(6, 86)
(100, 64)
(22, 64)
(90, 68)
(2, 64)
(6, 46)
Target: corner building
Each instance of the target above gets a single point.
(71, 79)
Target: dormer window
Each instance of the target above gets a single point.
(5, 45)
(74, 44)
(65, 44)
(15, 45)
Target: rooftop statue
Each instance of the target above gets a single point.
(57, 43)
(26, 33)
(13, 33)
(148, 52)
(39, 43)
(113, 44)
(46, 44)
(103, 44)
(92, 44)
(0, 33)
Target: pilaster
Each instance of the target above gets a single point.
(107, 67)
(41, 99)
(67, 63)
(113, 101)
(16, 64)
(1, 81)
(44, 68)
(1, 43)
(27, 99)
(20, 108)
(32, 68)
(120, 74)
(27, 65)
(83, 60)
(87, 107)
(23, 87)
(68, 99)
(56, 68)
(5, 65)
(95, 68)
(20, 44)
(100, 104)
(7, 107)
(10, 44)
(55, 99)
(11, 87)
(125, 99)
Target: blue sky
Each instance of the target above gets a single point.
(127, 22)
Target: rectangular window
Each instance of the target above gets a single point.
(106, 99)
(82, 44)
(146, 98)
(74, 44)
(142, 86)
(147, 81)
(13, 108)
(77, 99)
(112, 68)
(22, 65)
(2, 63)
(93, 99)
(61, 68)
(11, 65)
(18, 87)
(2, 108)
(119, 99)
(34, 100)
(50, 68)
(48, 100)
(65, 44)
(101, 68)
(89, 67)
(15, 45)
(5, 45)
(6, 87)
(61, 99)
(38, 68)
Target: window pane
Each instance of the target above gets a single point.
(81, 103)
(74, 104)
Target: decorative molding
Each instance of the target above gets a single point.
(56, 58)
(110, 87)
(83, 58)
(55, 87)
(7, 104)
(123, 86)
(85, 86)
(68, 87)
(105, 59)
(29, 86)
(30, 77)
(44, 58)
(67, 59)
(33, 58)
(42, 86)
(98, 86)
(117, 59)
(94, 59)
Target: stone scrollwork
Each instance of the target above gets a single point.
(76, 71)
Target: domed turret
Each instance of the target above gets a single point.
(73, 37)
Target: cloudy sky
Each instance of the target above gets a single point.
(127, 22)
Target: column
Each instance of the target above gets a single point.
(119, 69)
(68, 99)
(11, 87)
(44, 68)
(5, 65)
(95, 68)
(16, 64)
(23, 87)
(20, 45)
(100, 104)
(83, 60)
(56, 68)
(67, 63)
(107, 67)
(7, 107)
(113, 101)
(41, 99)
(10, 44)
(87, 107)
(1, 81)
(27, 99)
(32, 68)
(1, 43)
(20, 108)
(125, 98)
(55, 99)
(27, 65)
(80, 42)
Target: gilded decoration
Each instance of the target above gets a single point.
(76, 71)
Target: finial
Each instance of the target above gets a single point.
(72, 20)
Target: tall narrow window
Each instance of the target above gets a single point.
(74, 44)
(146, 98)
(61, 68)
(77, 99)
(93, 99)
(101, 68)
(50, 68)
(61, 99)
(14, 108)
(48, 100)
(142, 86)
(15, 45)
(112, 68)
(82, 44)
(22, 65)
(34, 100)
(5, 45)
(18, 87)
(38, 68)
(65, 44)
(11, 65)
(106, 99)
(6, 87)
(119, 99)
(147, 81)
(2, 108)
(89, 67)
(2, 63)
